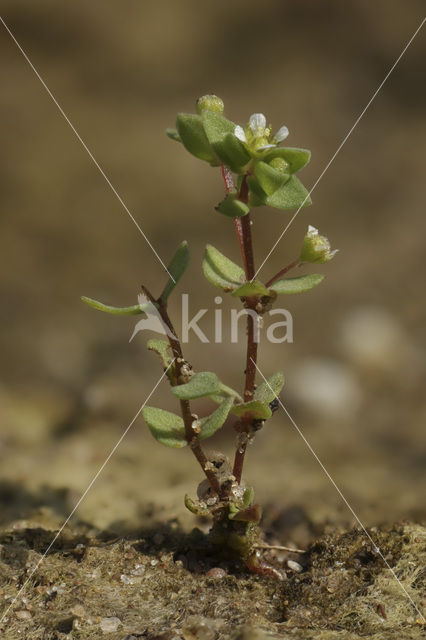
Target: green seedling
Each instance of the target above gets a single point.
(257, 172)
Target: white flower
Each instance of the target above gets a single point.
(281, 134)
(258, 135)
(257, 124)
(240, 133)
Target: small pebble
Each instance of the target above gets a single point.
(216, 572)
(294, 566)
(78, 610)
(109, 625)
(138, 570)
(23, 615)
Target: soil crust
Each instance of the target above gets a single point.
(163, 583)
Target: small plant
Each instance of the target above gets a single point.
(256, 172)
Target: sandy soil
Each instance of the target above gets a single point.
(127, 565)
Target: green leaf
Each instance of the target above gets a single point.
(162, 348)
(166, 427)
(220, 134)
(296, 158)
(176, 268)
(173, 134)
(136, 309)
(191, 131)
(233, 510)
(254, 409)
(201, 384)
(215, 421)
(297, 285)
(269, 179)
(216, 126)
(290, 196)
(232, 207)
(257, 197)
(270, 389)
(248, 497)
(251, 289)
(232, 152)
(194, 507)
(221, 271)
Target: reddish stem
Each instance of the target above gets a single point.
(239, 231)
(251, 352)
(247, 247)
(185, 406)
(243, 231)
(230, 187)
(228, 179)
(282, 272)
(251, 302)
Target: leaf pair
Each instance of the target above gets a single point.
(221, 271)
(268, 186)
(169, 428)
(210, 137)
(203, 384)
(228, 276)
(258, 408)
(270, 170)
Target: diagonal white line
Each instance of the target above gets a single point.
(86, 148)
(92, 482)
(341, 145)
(375, 547)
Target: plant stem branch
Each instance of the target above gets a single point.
(278, 275)
(230, 187)
(251, 352)
(228, 179)
(190, 436)
(247, 246)
(239, 231)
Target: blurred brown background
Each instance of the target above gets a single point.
(70, 382)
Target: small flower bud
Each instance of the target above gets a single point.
(280, 165)
(316, 248)
(209, 103)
